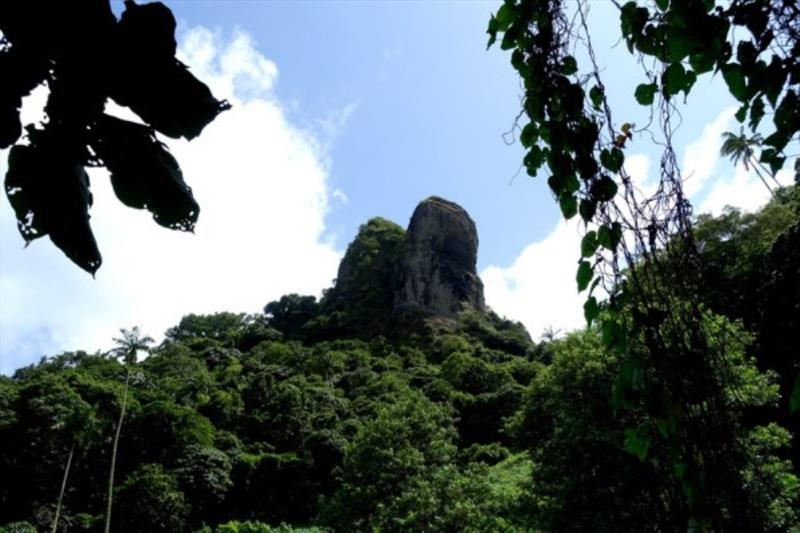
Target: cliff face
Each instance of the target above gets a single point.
(437, 271)
(428, 268)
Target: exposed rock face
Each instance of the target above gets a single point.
(437, 272)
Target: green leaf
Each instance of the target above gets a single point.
(673, 80)
(584, 275)
(591, 310)
(609, 237)
(631, 374)
(604, 189)
(492, 31)
(746, 53)
(589, 244)
(556, 183)
(741, 114)
(529, 135)
(569, 66)
(633, 20)
(691, 78)
(773, 158)
(596, 96)
(509, 40)
(616, 234)
(645, 93)
(533, 160)
(571, 184)
(626, 17)
(637, 442)
(737, 85)
(794, 399)
(587, 209)
(756, 113)
(506, 16)
(569, 205)
(679, 43)
(662, 4)
(702, 61)
(614, 336)
(612, 159)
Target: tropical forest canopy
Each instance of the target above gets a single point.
(342, 415)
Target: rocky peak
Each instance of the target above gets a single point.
(437, 272)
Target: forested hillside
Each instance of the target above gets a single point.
(363, 412)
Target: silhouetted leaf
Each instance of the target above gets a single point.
(505, 17)
(589, 244)
(144, 174)
(732, 73)
(533, 160)
(529, 135)
(49, 192)
(596, 96)
(614, 336)
(612, 159)
(584, 275)
(609, 237)
(702, 61)
(756, 113)
(673, 80)
(741, 114)
(645, 93)
(569, 205)
(587, 209)
(569, 66)
(591, 310)
(604, 189)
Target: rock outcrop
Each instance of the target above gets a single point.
(388, 272)
(365, 280)
(437, 273)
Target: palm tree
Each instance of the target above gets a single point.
(78, 424)
(743, 148)
(127, 349)
(63, 485)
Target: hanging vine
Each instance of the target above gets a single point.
(638, 249)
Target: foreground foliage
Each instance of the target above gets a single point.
(299, 420)
(86, 57)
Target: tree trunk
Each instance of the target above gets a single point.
(114, 452)
(63, 486)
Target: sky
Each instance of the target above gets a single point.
(341, 111)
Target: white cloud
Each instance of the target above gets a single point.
(700, 158)
(262, 184)
(340, 195)
(743, 190)
(539, 287)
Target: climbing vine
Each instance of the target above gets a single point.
(639, 248)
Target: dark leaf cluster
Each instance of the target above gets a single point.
(86, 56)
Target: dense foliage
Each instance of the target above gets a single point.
(86, 56)
(271, 422)
(639, 247)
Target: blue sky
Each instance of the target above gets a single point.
(343, 111)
